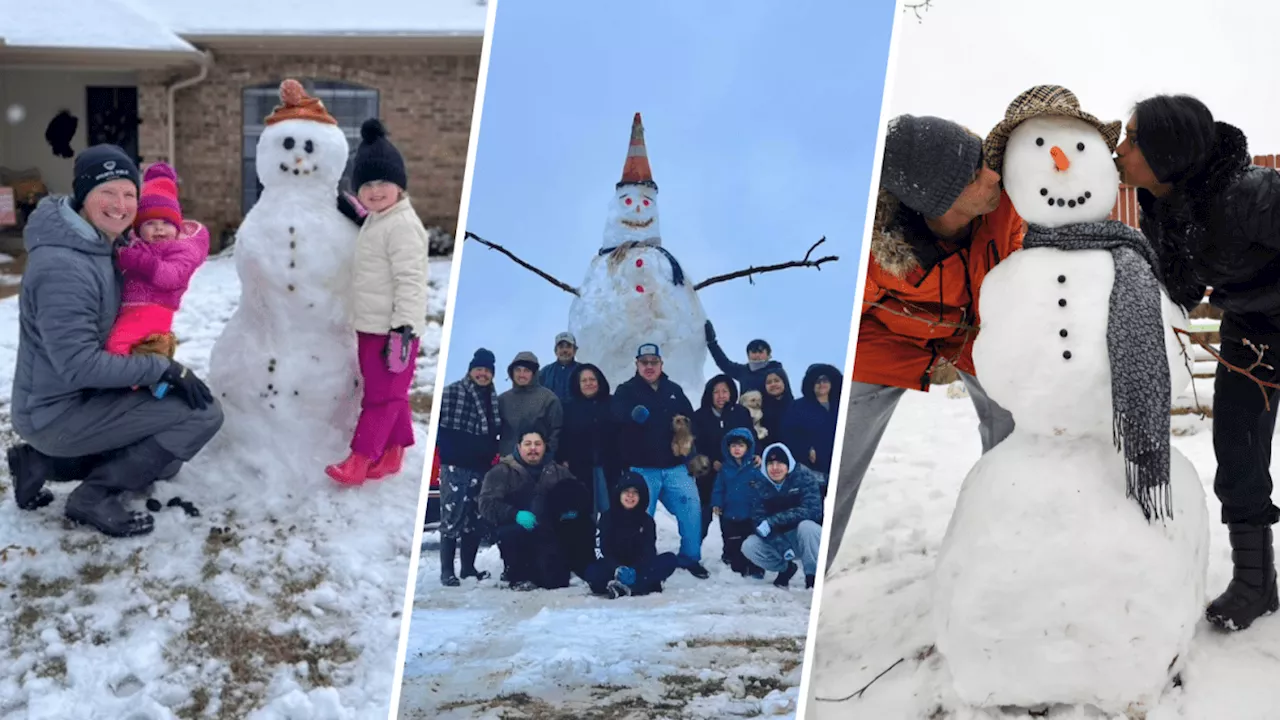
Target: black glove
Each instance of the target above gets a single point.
(711, 332)
(185, 383)
(399, 341)
(348, 210)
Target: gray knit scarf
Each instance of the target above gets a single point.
(1135, 347)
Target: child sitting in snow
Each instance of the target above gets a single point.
(627, 559)
(733, 496)
(390, 286)
(163, 253)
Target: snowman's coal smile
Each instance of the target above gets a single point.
(638, 225)
(285, 168)
(1069, 202)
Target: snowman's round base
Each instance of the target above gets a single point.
(1053, 589)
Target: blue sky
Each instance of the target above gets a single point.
(760, 120)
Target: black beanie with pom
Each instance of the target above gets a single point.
(377, 158)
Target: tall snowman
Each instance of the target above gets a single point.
(1073, 569)
(635, 291)
(285, 365)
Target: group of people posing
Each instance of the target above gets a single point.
(566, 472)
(97, 396)
(942, 222)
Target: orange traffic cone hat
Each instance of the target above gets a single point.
(636, 169)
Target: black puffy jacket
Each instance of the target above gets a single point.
(1221, 229)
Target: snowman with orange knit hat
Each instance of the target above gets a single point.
(285, 365)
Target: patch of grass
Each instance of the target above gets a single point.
(687, 687)
(759, 687)
(52, 669)
(27, 617)
(33, 587)
(194, 710)
(218, 539)
(781, 644)
(521, 705)
(292, 588)
(250, 652)
(420, 402)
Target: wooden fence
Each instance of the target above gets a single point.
(1126, 209)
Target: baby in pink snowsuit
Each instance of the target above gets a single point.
(164, 251)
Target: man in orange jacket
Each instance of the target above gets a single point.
(941, 224)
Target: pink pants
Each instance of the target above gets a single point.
(385, 418)
(137, 323)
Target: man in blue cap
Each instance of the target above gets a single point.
(645, 408)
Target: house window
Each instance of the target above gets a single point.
(349, 104)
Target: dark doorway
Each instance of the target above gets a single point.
(113, 117)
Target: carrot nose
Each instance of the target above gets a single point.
(1059, 158)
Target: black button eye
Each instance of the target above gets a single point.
(1039, 142)
(309, 147)
(289, 143)
(1080, 147)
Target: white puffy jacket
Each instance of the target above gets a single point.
(390, 273)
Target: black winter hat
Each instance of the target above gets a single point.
(483, 359)
(377, 158)
(101, 164)
(776, 454)
(759, 345)
(928, 162)
(1176, 134)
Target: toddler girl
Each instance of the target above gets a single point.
(390, 306)
(164, 251)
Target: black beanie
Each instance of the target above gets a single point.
(483, 359)
(377, 158)
(1176, 134)
(928, 162)
(776, 454)
(759, 345)
(101, 164)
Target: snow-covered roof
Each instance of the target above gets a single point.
(77, 24)
(195, 18)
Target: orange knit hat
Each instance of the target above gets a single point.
(298, 105)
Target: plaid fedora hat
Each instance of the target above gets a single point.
(1042, 100)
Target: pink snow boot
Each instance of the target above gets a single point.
(389, 464)
(352, 471)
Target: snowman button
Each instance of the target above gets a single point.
(1066, 354)
(1062, 302)
(1062, 278)
(1063, 332)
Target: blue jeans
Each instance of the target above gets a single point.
(602, 491)
(679, 495)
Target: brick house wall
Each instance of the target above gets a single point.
(425, 102)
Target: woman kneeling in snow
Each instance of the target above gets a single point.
(627, 559)
(538, 509)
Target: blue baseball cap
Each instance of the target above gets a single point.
(648, 349)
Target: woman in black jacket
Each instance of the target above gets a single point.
(718, 414)
(589, 436)
(1214, 219)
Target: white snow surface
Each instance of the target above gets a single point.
(628, 299)
(99, 25)
(723, 647)
(285, 365)
(1029, 169)
(877, 605)
(318, 17)
(291, 612)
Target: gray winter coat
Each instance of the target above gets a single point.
(69, 300)
(531, 406)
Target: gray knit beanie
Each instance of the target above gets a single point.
(928, 162)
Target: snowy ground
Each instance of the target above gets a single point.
(876, 605)
(243, 612)
(717, 648)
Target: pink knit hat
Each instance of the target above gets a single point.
(159, 199)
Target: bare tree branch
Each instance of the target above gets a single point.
(747, 273)
(920, 656)
(917, 7)
(545, 276)
(1258, 350)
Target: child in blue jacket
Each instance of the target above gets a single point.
(733, 496)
